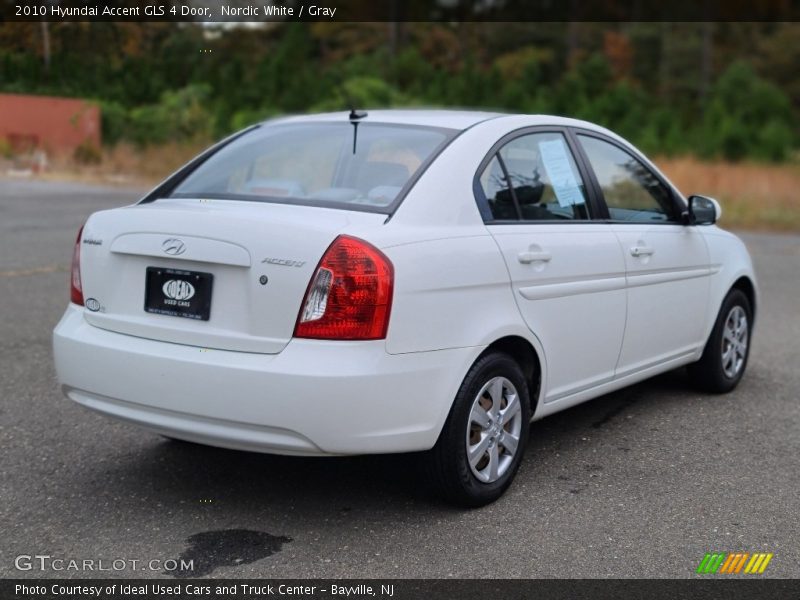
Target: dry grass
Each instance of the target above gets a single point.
(125, 164)
(753, 196)
(154, 162)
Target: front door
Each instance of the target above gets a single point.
(666, 262)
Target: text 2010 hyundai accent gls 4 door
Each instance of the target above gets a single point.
(400, 281)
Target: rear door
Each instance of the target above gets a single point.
(666, 262)
(567, 272)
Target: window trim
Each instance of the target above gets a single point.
(604, 212)
(507, 177)
(592, 206)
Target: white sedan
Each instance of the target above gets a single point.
(400, 281)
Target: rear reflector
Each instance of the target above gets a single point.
(349, 296)
(76, 288)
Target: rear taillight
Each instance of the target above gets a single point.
(350, 294)
(75, 287)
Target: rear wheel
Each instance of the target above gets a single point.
(724, 358)
(482, 443)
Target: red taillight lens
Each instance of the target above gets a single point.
(75, 287)
(350, 294)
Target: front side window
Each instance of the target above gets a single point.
(317, 163)
(631, 191)
(534, 178)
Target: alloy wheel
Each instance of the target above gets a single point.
(494, 428)
(734, 342)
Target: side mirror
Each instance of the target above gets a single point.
(704, 210)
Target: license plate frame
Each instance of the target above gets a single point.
(178, 293)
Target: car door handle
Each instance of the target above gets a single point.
(529, 257)
(641, 251)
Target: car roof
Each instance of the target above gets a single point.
(449, 119)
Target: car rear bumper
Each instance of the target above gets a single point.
(314, 398)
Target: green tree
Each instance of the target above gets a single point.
(747, 116)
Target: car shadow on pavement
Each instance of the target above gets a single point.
(170, 471)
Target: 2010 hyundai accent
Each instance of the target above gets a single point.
(400, 281)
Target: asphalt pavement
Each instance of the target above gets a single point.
(639, 483)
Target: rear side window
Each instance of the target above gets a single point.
(631, 191)
(534, 178)
(317, 163)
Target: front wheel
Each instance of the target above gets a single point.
(482, 443)
(724, 358)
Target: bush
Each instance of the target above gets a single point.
(774, 141)
(87, 153)
(180, 116)
(662, 133)
(747, 116)
(362, 92)
(114, 122)
(577, 93)
(6, 151)
(293, 68)
(245, 118)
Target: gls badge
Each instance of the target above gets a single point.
(178, 289)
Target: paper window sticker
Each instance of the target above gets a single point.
(559, 170)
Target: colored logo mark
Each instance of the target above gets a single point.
(734, 563)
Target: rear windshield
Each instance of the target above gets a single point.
(321, 164)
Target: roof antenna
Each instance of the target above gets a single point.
(355, 119)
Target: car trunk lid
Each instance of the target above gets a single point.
(260, 259)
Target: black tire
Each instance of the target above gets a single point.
(709, 374)
(447, 463)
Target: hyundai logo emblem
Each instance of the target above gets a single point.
(173, 247)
